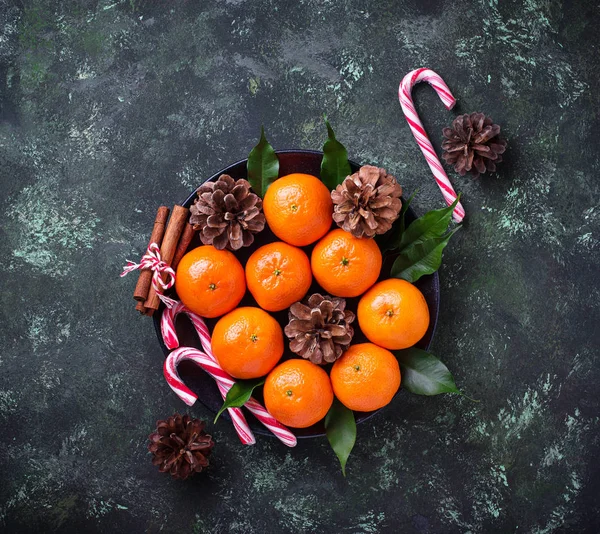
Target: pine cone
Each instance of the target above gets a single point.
(368, 202)
(473, 145)
(320, 330)
(227, 213)
(180, 446)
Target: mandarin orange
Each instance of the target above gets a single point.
(298, 393)
(366, 377)
(393, 314)
(247, 342)
(210, 282)
(298, 209)
(344, 265)
(278, 275)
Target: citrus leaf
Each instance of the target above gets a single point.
(403, 210)
(340, 428)
(420, 259)
(262, 166)
(424, 374)
(391, 239)
(335, 165)
(433, 224)
(239, 394)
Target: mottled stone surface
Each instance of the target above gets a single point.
(109, 108)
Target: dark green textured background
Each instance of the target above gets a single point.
(108, 109)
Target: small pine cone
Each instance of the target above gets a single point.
(367, 202)
(227, 213)
(473, 144)
(320, 329)
(180, 446)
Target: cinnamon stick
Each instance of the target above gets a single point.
(184, 243)
(145, 279)
(171, 238)
(140, 307)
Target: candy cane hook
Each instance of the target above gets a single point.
(416, 127)
(189, 397)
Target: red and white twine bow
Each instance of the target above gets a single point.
(152, 261)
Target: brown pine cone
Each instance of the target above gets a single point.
(227, 213)
(320, 329)
(180, 446)
(367, 202)
(473, 144)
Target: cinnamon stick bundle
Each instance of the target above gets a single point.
(171, 238)
(184, 243)
(145, 278)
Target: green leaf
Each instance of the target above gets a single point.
(340, 428)
(424, 374)
(334, 166)
(391, 239)
(403, 211)
(263, 165)
(433, 224)
(239, 394)
(421, 258)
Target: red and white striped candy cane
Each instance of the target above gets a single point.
(224, 381)
(167, 323)
(281, 432)
(189, 397)
(167, 327)
(408, 107)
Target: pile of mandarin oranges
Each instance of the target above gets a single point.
(248, 341)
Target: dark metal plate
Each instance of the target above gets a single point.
(290, 161)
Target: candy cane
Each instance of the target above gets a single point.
(224, 381)
(281, 432)
(189, 397)
(167, 324)
(408, 107)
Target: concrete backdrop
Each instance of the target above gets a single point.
(110, 108)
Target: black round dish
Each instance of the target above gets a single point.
(290, 161)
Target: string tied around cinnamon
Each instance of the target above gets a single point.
(153, 262)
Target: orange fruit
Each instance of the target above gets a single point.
(366, 377)
(298, 209)
(247, 342)
(210, 282)
(393, 314)
(344, 265)
(278, 275)
(298, 393)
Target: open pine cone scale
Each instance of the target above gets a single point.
(180, 446)
(367, 202)
(227, 213)
(473, 144)
(319, 329)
